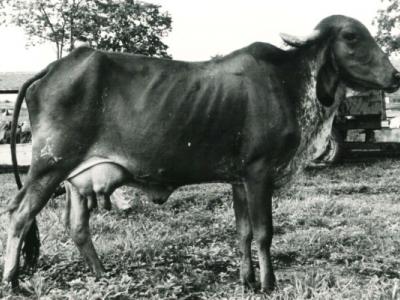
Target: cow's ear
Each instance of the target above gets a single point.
(327, 81)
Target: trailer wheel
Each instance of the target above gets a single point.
(334, 149)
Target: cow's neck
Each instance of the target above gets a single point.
(314, 120)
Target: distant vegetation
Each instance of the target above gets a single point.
(24, 134)
(388, 23)
(117, 25)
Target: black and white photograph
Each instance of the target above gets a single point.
(195, 150)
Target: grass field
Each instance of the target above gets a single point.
(337, 236)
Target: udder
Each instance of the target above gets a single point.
(103, 178)
(99, 182)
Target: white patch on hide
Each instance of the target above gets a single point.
(320, 142)
(47, 151)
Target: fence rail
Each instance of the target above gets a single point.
(24, 154)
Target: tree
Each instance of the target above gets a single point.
(118, 25)
(388, 24)
(129, 26)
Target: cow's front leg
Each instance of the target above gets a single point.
(243, 227)
(259, 197)
(79, 226)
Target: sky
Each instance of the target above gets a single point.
(202, 29)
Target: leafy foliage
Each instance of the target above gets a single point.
(128, 25)
(388, 22)
(118, 25)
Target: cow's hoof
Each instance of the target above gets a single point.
(267, 290)
(9, 284)
(269, 287)
(5, 288)
(251, 286)
(15, 284)
(99, 272)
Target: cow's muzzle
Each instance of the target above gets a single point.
(395, 83)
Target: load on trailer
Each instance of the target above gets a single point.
(366, 121)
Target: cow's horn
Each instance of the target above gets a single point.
(298, 41)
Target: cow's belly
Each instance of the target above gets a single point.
(185, 131)
(170, 163)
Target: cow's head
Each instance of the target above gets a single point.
(349, 54)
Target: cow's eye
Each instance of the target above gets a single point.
(350, 36)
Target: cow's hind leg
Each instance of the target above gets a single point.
(259, 196)
(91, 203)
(23, 209)
(67, 211)
(245, 235)
(104, 200)
(79, 226)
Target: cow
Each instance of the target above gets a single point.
(251, 119)
(25, 132)
(4, 129)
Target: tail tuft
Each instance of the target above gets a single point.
(31, 247)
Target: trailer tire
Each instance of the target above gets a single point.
(334, 149)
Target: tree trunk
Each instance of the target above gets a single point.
(71, 36)
(58, 50)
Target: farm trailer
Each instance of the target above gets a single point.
(364, 125)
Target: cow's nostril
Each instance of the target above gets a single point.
(396, 75)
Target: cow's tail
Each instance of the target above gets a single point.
(31, 247)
